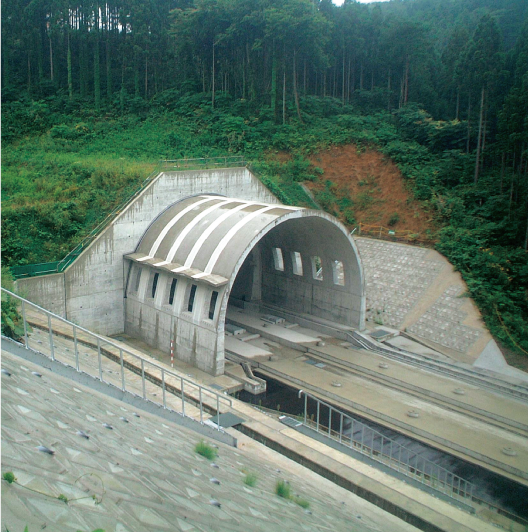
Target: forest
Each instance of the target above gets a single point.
(95, 92)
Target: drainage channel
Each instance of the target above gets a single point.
(488, 486)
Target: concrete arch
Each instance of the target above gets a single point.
(226, 249)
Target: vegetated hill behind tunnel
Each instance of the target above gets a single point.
(367, 187)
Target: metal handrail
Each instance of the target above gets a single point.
(204, 162)
(437, 476)
(165, 372)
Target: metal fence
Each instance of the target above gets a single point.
(46, 268)
(232, 161)
(387, 233)
(366, 440)
(114, 364)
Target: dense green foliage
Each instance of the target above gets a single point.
(94, 93)
(11, 320)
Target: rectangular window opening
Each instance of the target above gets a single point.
(278, 260)
(317, 268)
(172, 290)
(297, 263)
(154, 285)
(212, 304)
(338, 272)
(190, 304)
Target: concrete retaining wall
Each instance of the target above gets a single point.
(90, 291)
(47, 291)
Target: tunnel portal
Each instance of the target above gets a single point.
(206, 252)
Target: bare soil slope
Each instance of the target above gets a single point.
(376, 187)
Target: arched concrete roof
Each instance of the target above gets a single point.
(206, 237)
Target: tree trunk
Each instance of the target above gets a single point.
(274, 86)
(244, 74)
(468, 124)
(108, 68)
(361, 77)
(343, 80)
(484, 128)
(97, 73)
(52, 77)
(457, 103)
(304, 80)
(82, 67)
(511, 186)
(526, 237)
(502, 171)
(146, 74)
(406, 93)
(389, 91)
(284, 97)
(40, 58)
(348, 79)
(122, 91)
(213, 80)
(296, 95)
(479, 141)
(29, 73)
(69, 61)
(6, 77)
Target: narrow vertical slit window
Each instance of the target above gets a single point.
(154, 285)
(297, 263)
(278, 260)
(172, 290)
(317, 268)
(212, 304)
(192, 293)
(338, 272)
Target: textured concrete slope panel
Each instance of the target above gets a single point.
(144, 473)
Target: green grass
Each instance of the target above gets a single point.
(283, 489)
(303, 503)
(250, 479)
(206, 450)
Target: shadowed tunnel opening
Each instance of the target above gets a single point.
(304, 265)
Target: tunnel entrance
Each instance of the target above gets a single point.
(208, 251)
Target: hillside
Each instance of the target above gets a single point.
(380, 168)
(378, 192)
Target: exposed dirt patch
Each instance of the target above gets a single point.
(375, 186)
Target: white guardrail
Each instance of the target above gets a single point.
(170, 382)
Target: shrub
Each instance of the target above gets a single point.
(282, 489)
(250, 479)
(303, 503)
(206, 450)
(394, 219)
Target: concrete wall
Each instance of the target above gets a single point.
(92, 287)
(154, 320)
(324, 298)
(48, 291)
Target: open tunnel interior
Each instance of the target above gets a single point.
(304, 266)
